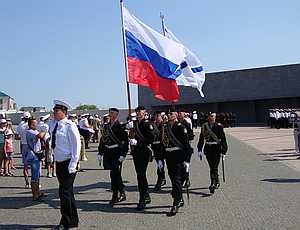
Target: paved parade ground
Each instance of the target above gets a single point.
(262, 191)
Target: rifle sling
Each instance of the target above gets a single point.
(173, 139)
(212, 134)
(139, 133)
(113, 136)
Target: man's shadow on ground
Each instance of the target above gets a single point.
(88, 205)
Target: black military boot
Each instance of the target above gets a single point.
(141, 205)
(122, 196)
(212, 187)
(175, 208)
(114, 199)
(158, 185)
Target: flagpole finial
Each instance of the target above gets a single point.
(162, 16)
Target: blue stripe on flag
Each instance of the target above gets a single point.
(163, 67)
(197, 69)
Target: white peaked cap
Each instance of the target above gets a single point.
(62, 103)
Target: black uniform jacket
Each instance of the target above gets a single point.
(144, 133)
(181, 134)
(189, 129)
(220, 148)
(157, 146)
(111, 155)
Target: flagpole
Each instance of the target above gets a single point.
(125, 60)
(162, 17)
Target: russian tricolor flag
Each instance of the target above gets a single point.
(153, 60)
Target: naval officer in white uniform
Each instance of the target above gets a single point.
(65, 142)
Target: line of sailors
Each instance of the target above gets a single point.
(226, 119)
(167, 140)
(281, 118)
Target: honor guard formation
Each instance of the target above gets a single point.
(58, 142)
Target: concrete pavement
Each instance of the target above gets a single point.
(259, 194)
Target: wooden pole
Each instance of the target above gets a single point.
(125, 60)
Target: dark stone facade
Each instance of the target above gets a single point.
(249, 93)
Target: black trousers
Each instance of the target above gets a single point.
(86, 136)
(213, 160)
(160, 172)
(96, 135)
(141, 156)
(116, 178)
(175, 171)
(195, 123)
(68, 210)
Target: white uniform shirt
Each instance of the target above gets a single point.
(195, 116)
(84, 124)
(21, 130)
(44, 127)
(278, 115)
(67, 143)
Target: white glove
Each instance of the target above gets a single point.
(121, 158)
(132, 141)
(187, 166)
(129, 125)
(223, 156)
(100, 158)
(200, 155)
(160, 165)
(72, 167)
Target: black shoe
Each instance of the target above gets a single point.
(114, 199)
(122, 197)
(141, 206)
(212, 189)
(173, 211)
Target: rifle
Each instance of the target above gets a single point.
(223, 168)
(187, 190)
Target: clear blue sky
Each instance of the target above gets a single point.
(71, 49)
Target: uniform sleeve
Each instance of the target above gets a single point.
(185, 141)
(101, 146)
(124, 139)
(201, 140)
(149, 133)
(74, 141)
(223, 141)
(190, 131)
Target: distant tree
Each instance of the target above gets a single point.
(86, 107)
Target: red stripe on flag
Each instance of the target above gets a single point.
(143, 73)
